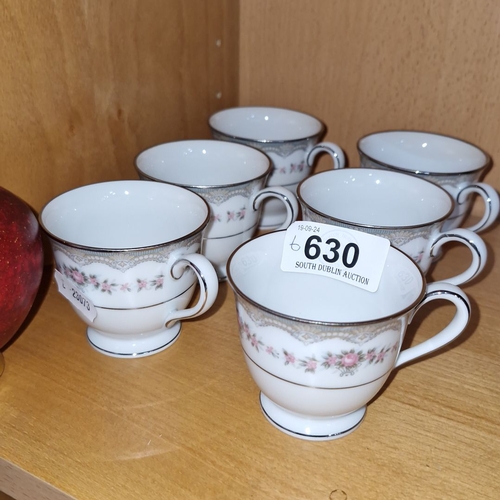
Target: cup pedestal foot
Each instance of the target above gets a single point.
(310, 428)
(133, 348)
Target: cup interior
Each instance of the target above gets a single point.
(203, 163)
(124, 214)
(265, 124)
(423, 152)
(254, 273)
(375, 197)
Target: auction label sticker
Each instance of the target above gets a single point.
(76, 298)
(344, 254)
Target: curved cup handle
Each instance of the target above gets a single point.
(491, 204)
(476, 246)
(440, 291)
(207, 279)
(288, 198)
(327, 147)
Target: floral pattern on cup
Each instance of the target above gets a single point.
(316, 332)
(345, 362)
(231, 215)
(280, 148)
(441, 179)
(84, 280)
(293, 168)
(123, 261)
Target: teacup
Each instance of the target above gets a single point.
(130, 249)
(453, 164)
(290, 138)
(407, 210)
(230, 177)
(320, 357)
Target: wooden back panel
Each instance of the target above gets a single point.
(362, 66)
(87, 85)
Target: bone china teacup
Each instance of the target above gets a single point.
(319, 357)
(407, 210)
(230, 177)
(290, 138)
(453, 164)
(131, 248)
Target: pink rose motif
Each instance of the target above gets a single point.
(349, 359)
(381, 356)
(158, 282)
(289, 358)
(311, 365)
(124, 287)
(370, 355)
(77, 277)
(245, 327)
(331, 360)
(142, 284)
(93, 281)
(282, 170)
(106, 287)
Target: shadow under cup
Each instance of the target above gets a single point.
(131, 249)
(320, 349)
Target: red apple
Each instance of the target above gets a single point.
(21, 263)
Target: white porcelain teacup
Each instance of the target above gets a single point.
(407, 210)
(453, 164)
(290, 138)
(319, 357)
(231, 178)
(131, 248)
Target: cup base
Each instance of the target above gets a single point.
(310, 428)
(133, 348)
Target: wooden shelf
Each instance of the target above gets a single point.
(186, 423)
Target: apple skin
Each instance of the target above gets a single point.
(21, 263)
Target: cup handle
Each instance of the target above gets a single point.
(207, 279)
(476, 246)
(327, 147)
(288, 198)
(491, 204)
(438, 291)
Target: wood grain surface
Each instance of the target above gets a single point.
(362, 66)
(87, 85)
(186, 422)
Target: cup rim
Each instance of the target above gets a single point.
(419, 172)
(288, 317)
(204, 186)
(80, 246)
(377, 226)
(322, 126)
